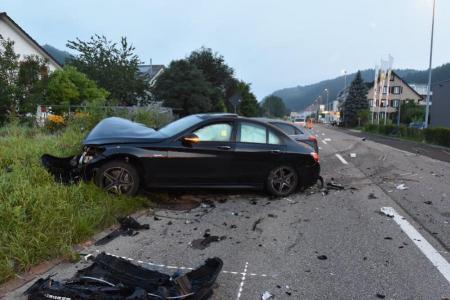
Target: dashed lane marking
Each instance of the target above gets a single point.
(432, 254)
(341, 159)
(327, 139)
(241, 286)
(323, 141)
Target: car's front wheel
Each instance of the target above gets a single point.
(282, 181)
(118, 177)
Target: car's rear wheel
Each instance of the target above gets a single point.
(282, 181)
(118, 177)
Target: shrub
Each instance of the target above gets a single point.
(439, 136)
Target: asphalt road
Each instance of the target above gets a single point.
(368, 254)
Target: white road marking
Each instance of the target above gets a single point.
(323, 141)
(178, 267)
(241, 286)
(327, 139)
(432, 254)
(341, 159)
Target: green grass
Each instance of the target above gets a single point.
(41, 219)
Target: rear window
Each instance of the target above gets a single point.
(299, 120)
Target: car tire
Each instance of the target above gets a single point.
(118, 177)
(282, 181)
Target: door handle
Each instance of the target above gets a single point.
(224, 147)
(275, 151)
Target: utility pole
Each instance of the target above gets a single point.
(427, 111)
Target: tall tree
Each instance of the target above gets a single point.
(9, 63)
(249, 106)
(216, 72)
(356, 101)
(184, 87)
(274, 107)
(114, 66)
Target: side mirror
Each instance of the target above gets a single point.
(190, 139)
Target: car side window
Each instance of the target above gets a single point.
(252, 133)
(274, 138)
(219, 132)
(288, 129)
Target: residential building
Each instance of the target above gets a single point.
(399, 91)
(422, 90)
(152, 72)
(440, 110)
(24, 44)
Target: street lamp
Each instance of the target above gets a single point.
(328, 93)
(427, 111)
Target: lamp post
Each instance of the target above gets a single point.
(326, 107)
(427, 111)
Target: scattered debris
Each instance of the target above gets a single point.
(388, 211)
(388, 238)
(334, 186)
(65, 170)
(364, 139)
(401, 187)
(128, 225)
(207, 204)
(352, 155)
(372, 196)
(207, 239)
(380, 296)
(255, 224)
(272, 216)
(110, 277)
(266, 296)
(428, 202)
(322, 257)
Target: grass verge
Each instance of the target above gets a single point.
(40, 219)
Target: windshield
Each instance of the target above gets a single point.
(179, 125)
(299, 120)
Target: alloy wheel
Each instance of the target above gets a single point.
(117, 180)
(283, 180)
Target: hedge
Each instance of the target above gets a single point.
(438, 136)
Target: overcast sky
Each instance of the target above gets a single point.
(271, 43)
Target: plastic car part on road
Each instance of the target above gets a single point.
(112, 277)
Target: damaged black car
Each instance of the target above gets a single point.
(197, 151)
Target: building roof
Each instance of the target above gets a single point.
(45, 52)
(370, 84)
(150, 70)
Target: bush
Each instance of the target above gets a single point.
(403, 131)
(439, 136)
(39, 218)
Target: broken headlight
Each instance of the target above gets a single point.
(89, 154)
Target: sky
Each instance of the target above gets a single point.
(272, 44)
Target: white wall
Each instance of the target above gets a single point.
(22, 45)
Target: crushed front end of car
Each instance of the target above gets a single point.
(72, 169)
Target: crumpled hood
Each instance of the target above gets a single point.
(121, 131)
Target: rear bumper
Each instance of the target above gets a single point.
(309, 175)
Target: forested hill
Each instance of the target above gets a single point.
(299, 97)
(57, 54)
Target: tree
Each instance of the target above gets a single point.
(9, 63)
(249, 106)
(114, 66)
(410, 112)
(216, 72)
(71, 87)
(274, 107)
(184, 87)
(31, 83)
(355, 102)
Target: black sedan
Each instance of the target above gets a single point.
(201, 151)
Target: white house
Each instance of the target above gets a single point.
(24, 44)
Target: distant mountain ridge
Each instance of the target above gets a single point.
(60, 55)
(299, 97)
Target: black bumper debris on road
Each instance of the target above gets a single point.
(110, 277)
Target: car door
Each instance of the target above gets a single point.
(259, 149)
(206, 163)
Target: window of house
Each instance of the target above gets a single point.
(396, 90)
(384, 89)
(220, 132)
(395, 102)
